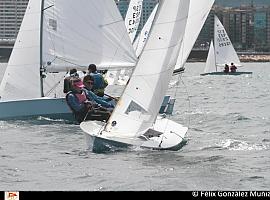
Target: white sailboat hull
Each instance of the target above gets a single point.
(22, 109)
(164, 135)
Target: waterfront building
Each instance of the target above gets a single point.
(11, 15)
(248, 26)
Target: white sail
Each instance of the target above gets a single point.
(22, 78)
(140, 41)
(139, 105)
(210, 61)
(198, 12)
(225, 52)
(133, 16)
(74, 34)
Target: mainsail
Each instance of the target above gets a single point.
(57, 35)
(224, 50)
(139, 105)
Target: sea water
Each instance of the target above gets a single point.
(228, 143)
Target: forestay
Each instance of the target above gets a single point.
(139, 105)
(225, 52)
(57, 35)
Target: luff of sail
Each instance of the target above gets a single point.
(139, 105)
(75, 34)
(140, 41)
(224, 50)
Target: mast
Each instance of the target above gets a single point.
(214, 41)
(40, 60)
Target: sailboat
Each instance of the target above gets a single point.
(54, 37)
(135, 122)
(221, 52)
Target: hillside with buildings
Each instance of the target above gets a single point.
(246, 21)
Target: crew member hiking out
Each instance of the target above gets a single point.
(82, 106)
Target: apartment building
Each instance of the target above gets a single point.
(11, 15)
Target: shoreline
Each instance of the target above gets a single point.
(243, 58)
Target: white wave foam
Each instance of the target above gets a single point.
(237, 145)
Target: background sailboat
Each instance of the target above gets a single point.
(134, 120)
(55, 36)
(221, 52)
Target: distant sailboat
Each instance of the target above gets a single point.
(54, 37)
(221, 52)
(135, 120)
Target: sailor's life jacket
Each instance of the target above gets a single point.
(78, 105)
(100, 83)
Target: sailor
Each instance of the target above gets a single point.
(82, 106)
(100, 83)
(108, 103)
(233, 68)
(226, 69)
(67, 83)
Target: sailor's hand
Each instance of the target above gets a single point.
(88, 104)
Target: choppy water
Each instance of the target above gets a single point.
(228, 144)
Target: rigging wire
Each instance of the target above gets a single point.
(188, 98)
(56, 85)
(179, 79)
(174, 96)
